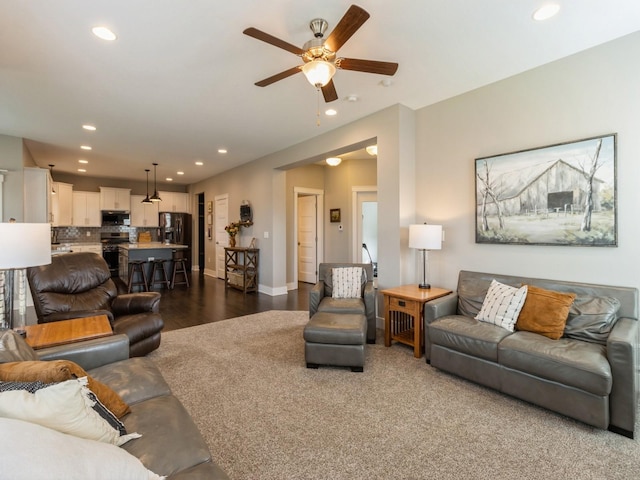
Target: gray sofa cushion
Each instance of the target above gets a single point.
(569, 362)
(592, 318)
(468, 335)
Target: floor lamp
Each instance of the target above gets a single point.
(22, 245)
(425, 237)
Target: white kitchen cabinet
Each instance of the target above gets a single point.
(61, 204)
(174, 202)
(115, 198)
(37, 195)
(86, 209)
(143, 214)
(88, 247)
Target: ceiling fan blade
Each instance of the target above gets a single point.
(278, 76)
(368, 66)
(347, 26)
(329, 92)
(270, 39)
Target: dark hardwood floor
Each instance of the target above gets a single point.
(207, 300)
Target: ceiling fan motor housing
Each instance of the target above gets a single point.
(318, 26)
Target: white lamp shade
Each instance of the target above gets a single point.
(24, 245)
(318, 72)
(425, 237)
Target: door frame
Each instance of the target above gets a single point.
(219, 242)
(356, 249)
(298, 192)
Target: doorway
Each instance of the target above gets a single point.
(222, 239)
(365, 226)
(308, 234)
(201, 228)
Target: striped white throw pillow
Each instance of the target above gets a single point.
(502, 305)
(347, 282)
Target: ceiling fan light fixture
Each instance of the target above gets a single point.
(319, 72)
(334, 161)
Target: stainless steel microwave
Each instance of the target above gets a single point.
(110, 218)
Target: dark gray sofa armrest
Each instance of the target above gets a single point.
(622, 353)
(315, 295)
(90, 354)
(447, 305)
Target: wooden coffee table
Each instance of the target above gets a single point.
(67, 331)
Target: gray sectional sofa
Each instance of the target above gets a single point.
(170, 445)
(589, 374)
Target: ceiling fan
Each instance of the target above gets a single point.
(319, 54)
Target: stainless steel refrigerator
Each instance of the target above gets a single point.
(176, 228)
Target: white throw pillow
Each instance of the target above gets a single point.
(30, 451)
(65, 407)
(347, 282)
(502, 305)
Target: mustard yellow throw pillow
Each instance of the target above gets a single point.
(545, 312)
(59, 371)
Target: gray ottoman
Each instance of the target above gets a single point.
(335, 339)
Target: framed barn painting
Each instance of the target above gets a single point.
(563, 194)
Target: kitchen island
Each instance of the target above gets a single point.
(148, 252)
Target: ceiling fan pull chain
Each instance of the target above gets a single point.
(318, 111)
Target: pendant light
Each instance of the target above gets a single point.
(155, 197)
(53, 189)
(147, 199)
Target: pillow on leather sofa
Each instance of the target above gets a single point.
(32, 451)
(592, 318)
(545, 312)
(502, 304)
(59, 371)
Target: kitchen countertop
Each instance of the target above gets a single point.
(151, 246)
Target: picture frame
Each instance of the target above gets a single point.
(334, 215)
(563, 194)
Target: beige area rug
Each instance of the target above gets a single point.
(265, 416)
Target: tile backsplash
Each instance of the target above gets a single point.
(92, 234)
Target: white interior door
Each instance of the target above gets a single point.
(307, 238)
(365, 226)
(222, 238)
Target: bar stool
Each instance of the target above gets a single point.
(158, 268)
(137, 267)
(179, 268)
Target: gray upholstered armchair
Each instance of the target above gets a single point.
(320, 296)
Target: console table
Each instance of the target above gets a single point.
(241, 268)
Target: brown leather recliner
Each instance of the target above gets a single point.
(79, 285)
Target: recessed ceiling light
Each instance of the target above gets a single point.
(104, 33)
(82, 170)
(82, 160)
(199, 163)
(352, 98)
(85, 147)
(333, 161)
(180, 173)
(331, 112)
(546, 11)
(91, 128)
(222, 150)
(169, 179)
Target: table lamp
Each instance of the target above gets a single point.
(22, 245)
(425, 237)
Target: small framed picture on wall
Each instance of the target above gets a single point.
(334, 215)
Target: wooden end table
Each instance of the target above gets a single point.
(63, 332)
(403, 321)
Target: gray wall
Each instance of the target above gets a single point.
(593, 93)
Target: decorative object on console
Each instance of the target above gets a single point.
(563, 194)
(23, 245)
(425, 237)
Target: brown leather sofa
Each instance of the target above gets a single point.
(80, 285)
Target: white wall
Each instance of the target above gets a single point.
(592, 93)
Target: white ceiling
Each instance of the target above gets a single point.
(179, 82)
